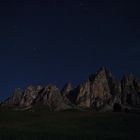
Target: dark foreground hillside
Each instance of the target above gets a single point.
(16, 125)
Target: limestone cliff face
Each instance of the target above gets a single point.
(15, 99)
(66, 92)
(99, 92)
(52, 97)
(84, 95)
(48, 96)
(130, 91)
(101, 88)
(66, 89)
(30, 94)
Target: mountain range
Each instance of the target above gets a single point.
(100, 92)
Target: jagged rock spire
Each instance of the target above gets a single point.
(130, 91)
(66, 89)
(15, 99)
(100, 91)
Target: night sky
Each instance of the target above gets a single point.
(54, 41)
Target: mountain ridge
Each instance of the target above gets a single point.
(101, 91)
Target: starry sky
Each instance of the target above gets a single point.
(55, 41)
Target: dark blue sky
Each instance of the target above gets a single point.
(56, 42)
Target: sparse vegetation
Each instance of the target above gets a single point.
(42, 125)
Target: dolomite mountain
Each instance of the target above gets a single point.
(101, 91)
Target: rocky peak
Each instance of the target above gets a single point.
(66, 89)
(129, 82)
(50, 88)
(51, 97)
(130, 91)
(30, 94)
(83, 95)
(101, 87)
(128, 79)
(15, 99)
(100, 91)
(102, 73)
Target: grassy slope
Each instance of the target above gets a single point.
(16, 125)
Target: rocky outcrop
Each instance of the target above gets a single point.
(49, 96)
(100, 92)
(66, 92)
(130, 91)
(66, 89)
(84, 95)
(15, 99)
(30, 94)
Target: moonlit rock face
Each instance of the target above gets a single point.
(66, 89)
(29, 95)
(52, 97)
(100, 92)
(130, 91)
(96, 92)
(49, 96)
(15, 99)
(84, 94)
